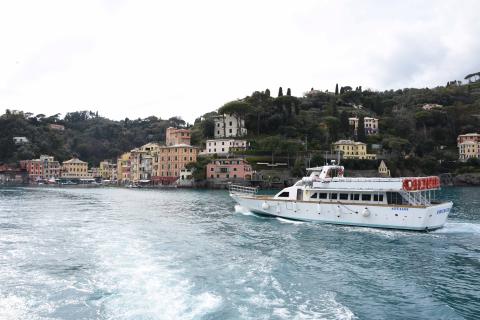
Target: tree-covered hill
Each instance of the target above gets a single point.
(86, 135)
(281, 125)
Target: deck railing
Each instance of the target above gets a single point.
(236, 189)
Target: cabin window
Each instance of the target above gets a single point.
(285, 194)
(366, 197)
(343, 196)
(322, 195)
(395, 198)
(378, 197)
(355, 196)
(333, 196)
(314, 196)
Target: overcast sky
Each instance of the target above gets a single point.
(185, 58)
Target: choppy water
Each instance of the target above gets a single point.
(179, 254)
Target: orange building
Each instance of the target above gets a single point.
(168, 162)
(177, 136)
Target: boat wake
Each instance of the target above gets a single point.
(244, 211)
(282, 220)
(134, 281)
(460, 227)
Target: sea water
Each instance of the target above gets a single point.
(111, 253)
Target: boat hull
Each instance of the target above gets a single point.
(365, 215)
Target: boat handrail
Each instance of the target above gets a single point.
(237, 189)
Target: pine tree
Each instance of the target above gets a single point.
(336, 89)
(289, 92)
(267, 92)
(280, 92)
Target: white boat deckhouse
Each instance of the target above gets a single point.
(325, 195)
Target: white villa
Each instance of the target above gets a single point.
(227, 125)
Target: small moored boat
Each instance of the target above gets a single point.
(326, 196)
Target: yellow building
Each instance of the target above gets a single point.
(170, 160)
(75, 169)
(353, 150)
(468, 149)
(107, 170)
(123, 168)
(141, 162)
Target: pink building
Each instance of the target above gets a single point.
(175, 136)
(229, 169)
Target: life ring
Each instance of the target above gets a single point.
(414, 184)
(407, 184)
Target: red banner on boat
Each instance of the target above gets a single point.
(423, 183)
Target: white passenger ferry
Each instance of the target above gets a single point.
(327, 196)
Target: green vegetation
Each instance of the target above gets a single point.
(293, 128)
(87, 135)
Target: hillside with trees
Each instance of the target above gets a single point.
(414, 139)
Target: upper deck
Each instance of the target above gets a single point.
(331, 177)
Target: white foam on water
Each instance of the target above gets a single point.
(459, 227)
(137, 284)
(327, 308)
(283, 220)
(13, 307)
(242, 210)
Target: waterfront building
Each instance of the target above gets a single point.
(353, 150)
(107, 170)
(229, 125)
(41, 169)
(224, 146)
(170, 160)
(176, 136)
(123, 168)
(370, 125)
(75, 169)
(383, 169)
(141, 162)
(224, 169)
(12, 175)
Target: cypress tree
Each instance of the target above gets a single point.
(336, 89)
(280, 92)
(267, 92)
(361, 130)
(289, 92)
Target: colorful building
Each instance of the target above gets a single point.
(170, 160)
(353, 150)
(175, 136)
(75, 169)
(468, 146)
(224, 169)
(123, 168)
(46, 167)
(141, 162)
(108, 170)
(229, 125)
(370, 125)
